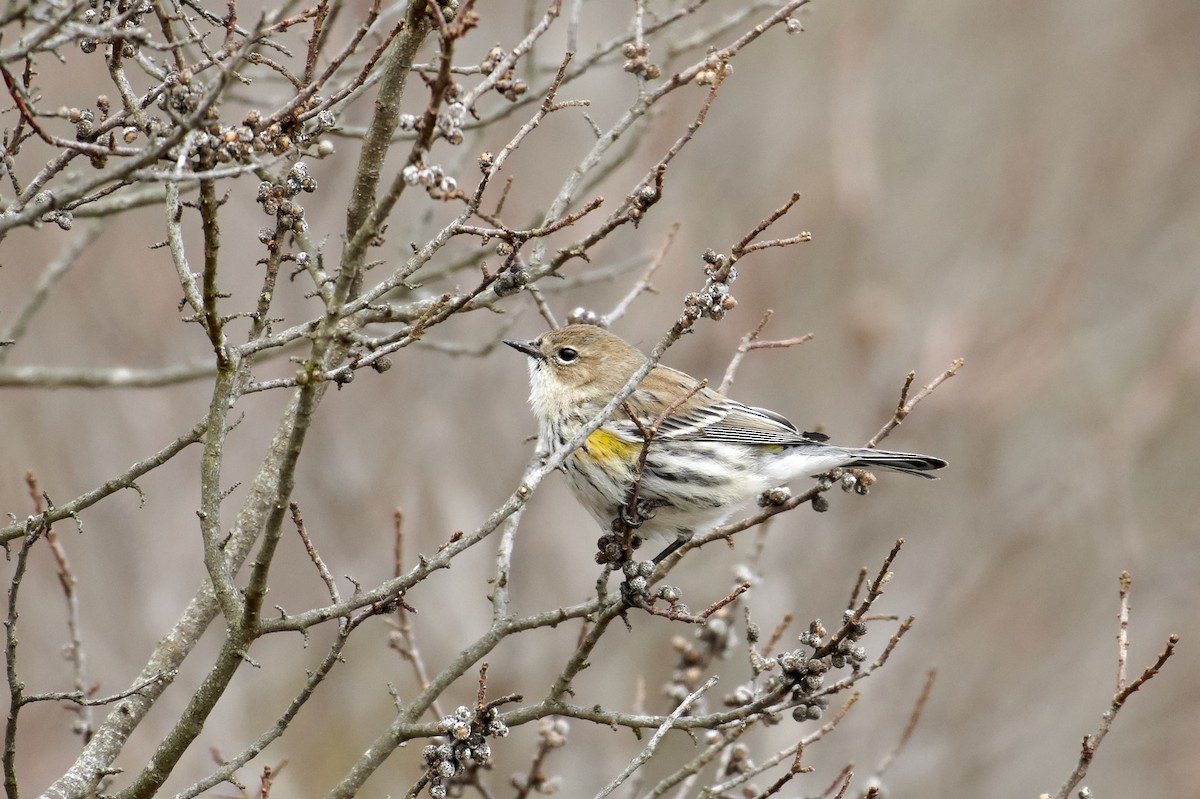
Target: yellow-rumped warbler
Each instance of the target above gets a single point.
(709, 455)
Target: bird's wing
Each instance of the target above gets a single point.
(710, 416)
(742, 424)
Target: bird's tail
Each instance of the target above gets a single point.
(907, 462)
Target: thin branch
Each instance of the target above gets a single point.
(1092, 742)
(104, 377)
(74, 650)
(16, 686)
(542, 306)
(229, 767)
(1123, 632)
(792, 751)
(82, 699)
(127, 479)
(322, 569)
(906, 404)
(913, 719)
(743, 246)
(749, 342)
(648, 751)
(643, 283)
(795, 770)
(76, 245)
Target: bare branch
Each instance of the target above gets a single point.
(644, 756)
(906, 404)
(1092, 742)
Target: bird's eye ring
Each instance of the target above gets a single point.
(567, 354)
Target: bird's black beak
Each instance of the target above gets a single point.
(529, 347)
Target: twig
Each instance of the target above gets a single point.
(543, 307)
(744, 246)
(904, 627)
(749, 342)
(551, 735)
(858, 584)
(913, 718)
(332, 657)
(66, 578)
(492, 164)
(777, 633)
(35, 527)
(322, 569)
(82, 699)
(1123, 632)
(799, 238)
(126, 479)
(40, 376)
(75, 246)
(403, 640)
(722, 789)
(906, 404)
(787, 776)
(686, 775)
(643, 283)
(704, 615)
(655, 739)
(845, 783)
(874, 591)
(843, 779)
(1092, 742)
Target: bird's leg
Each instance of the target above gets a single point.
(669, 550)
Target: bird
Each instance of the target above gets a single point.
(707, 455)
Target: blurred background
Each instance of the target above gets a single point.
(1017, 184)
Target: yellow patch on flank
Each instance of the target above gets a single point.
(604, 446)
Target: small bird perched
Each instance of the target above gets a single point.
(709, 454)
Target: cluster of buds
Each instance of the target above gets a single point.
(510, 281)
(85, 122)
(86, 129)
(774, 497)
(848, 649)
(298, 180)
(738, 762)
(857, 480)
(216, 143)
(129, 24)
(450, 122)
(641, 200)
(715, 299)
(715, 69)
(637, 61)
(465, 746)
(804, 674)
(507, 85)
(182, 92)
(433, 179)
(64, 219)
(585, 316)
(636, 586)
(277, 199)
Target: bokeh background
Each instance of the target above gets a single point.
(1017, 184)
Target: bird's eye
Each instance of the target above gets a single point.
(567, 354)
